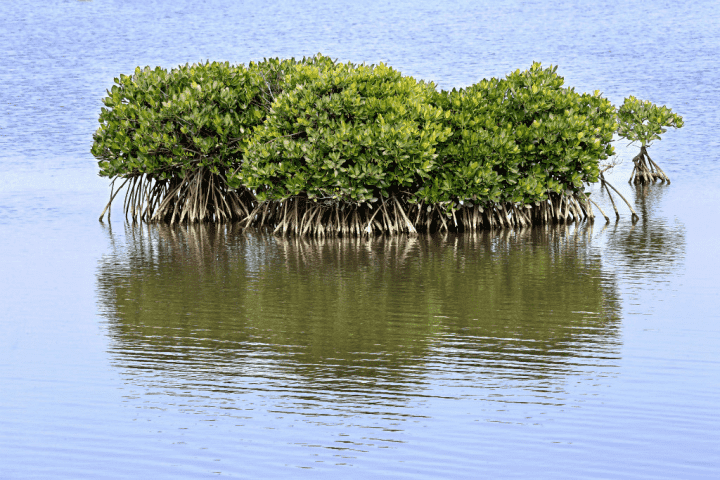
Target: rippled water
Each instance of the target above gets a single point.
(558, 352)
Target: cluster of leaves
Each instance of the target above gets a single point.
(355, 132)
(346, 132)
(165, 123)
(518, 138)
(643, 121)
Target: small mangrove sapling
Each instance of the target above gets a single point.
(643, 121)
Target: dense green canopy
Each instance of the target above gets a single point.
(346, 132)
(165, 123)
(521, 137)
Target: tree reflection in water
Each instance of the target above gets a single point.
(358, 325)
(654, 247)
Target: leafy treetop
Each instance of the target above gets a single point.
(346, 132)
(643, 121)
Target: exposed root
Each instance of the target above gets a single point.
(201, 196)
(607, 219)
(108, 207)
(302, 216)
(646, 170)
(204, 197)
(606, 184)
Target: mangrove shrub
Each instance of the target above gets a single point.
(347, 136)
(521, 139)
(176, 134)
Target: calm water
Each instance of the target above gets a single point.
(580, 352)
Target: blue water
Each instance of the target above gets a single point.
(558, 353)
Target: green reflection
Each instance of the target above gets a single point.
(203, 303)
(655, 246)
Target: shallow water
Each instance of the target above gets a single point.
(563, 352)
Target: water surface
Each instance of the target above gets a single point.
(585, 351)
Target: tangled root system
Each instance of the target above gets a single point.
(302, 216)
(646, 170)
(201, 196)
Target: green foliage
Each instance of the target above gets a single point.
(643, 121)
(165, 123)
(347, 132)
(521, 137)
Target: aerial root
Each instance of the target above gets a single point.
(201, 196)
(604, 183)
(204, 197)
(645, 170)
(302, 216)
(108, 208)
(607, 219)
